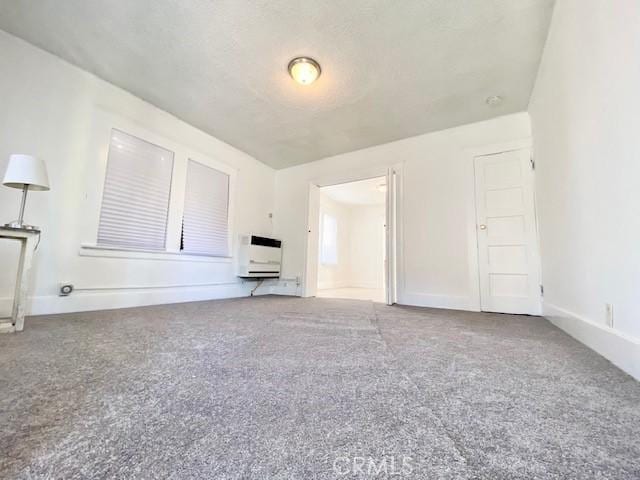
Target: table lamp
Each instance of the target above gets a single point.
(28, 173)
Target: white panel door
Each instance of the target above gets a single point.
(507, 238)
(313, 240)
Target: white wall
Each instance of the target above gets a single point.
(49, 109)
(438, 226)
(367, 245)
(336, 276)
(584, 112)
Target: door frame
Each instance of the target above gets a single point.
(310, 274)
(472, 227)
(393, 240)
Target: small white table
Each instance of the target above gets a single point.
(29, 241)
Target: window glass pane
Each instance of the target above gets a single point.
(205, 224)
(329, 240)
(135, 200)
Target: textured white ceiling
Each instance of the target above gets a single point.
(362, 192)
(390, 69)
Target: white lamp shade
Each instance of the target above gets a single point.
(26, 170)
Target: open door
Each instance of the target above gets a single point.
(313, 236)
(390, 225)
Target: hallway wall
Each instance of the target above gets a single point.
(584, 113)
(367, 245)
(361, 245)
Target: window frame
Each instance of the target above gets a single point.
(229, 246)
(115, 131)
(92, 190)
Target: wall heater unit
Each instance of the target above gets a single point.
(259, 257)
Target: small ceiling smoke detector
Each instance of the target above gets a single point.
(382, 187)
(494, 100)
(304, 70)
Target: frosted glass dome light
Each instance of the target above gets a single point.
(304, 70)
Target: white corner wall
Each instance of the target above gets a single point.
(367, 246)
(361, 246)
(438, 224)
(48, 109)
(584, 113)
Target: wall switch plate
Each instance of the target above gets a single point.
(609, 314)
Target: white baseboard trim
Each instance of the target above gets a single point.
(281, 286)
(82, 301)
(620, 349)
(288, 290)
(449, 302)
(332, 285)
(369, 285)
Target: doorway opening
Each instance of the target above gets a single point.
(352, 240)
(375, 190)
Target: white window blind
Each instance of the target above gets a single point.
(135, 201)
(205, 224)
(329, 240)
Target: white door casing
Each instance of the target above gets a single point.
(508, 258)
(313, 239)
(390, 226)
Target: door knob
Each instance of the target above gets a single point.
(483, 227)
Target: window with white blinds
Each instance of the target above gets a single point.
(329, 240)
(135, 201)
(205, 224)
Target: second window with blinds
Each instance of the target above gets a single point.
(205, 222)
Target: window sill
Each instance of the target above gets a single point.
(89, 250)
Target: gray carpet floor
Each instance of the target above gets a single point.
(289, 388)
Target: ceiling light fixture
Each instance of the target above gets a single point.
(304, 70)
(382, 187)
(494, 100)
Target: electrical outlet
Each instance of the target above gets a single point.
(609, 313)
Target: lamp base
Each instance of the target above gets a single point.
(16, 225)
